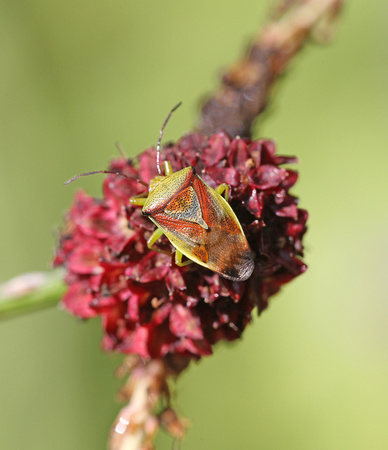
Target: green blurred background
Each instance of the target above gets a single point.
(76, 76)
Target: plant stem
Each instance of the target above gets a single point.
(145, 389)
(246, 87)
(30, 292)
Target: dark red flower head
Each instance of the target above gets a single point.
(151, 307)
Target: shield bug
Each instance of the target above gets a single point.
(196, 219)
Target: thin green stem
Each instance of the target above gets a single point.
(30, 292)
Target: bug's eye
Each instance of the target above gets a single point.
(145, 213)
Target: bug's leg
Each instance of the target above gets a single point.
(178, 259)
(138, 200)
(167, 168)
(223, 188)
(157, 234)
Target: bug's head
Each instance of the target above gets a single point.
(155, 181)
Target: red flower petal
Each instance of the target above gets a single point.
(85, 259)
(238, 155)
(267, 176)
(78, 300)
(185, 323)
(255, 203)
(217, 149)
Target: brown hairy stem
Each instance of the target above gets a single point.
(145, 392)
(246, 87)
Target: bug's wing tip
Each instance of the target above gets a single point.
(241, 271)
(247, 270)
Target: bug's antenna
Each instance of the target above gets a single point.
(161, 135)
(121, 150)
(106, 171)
